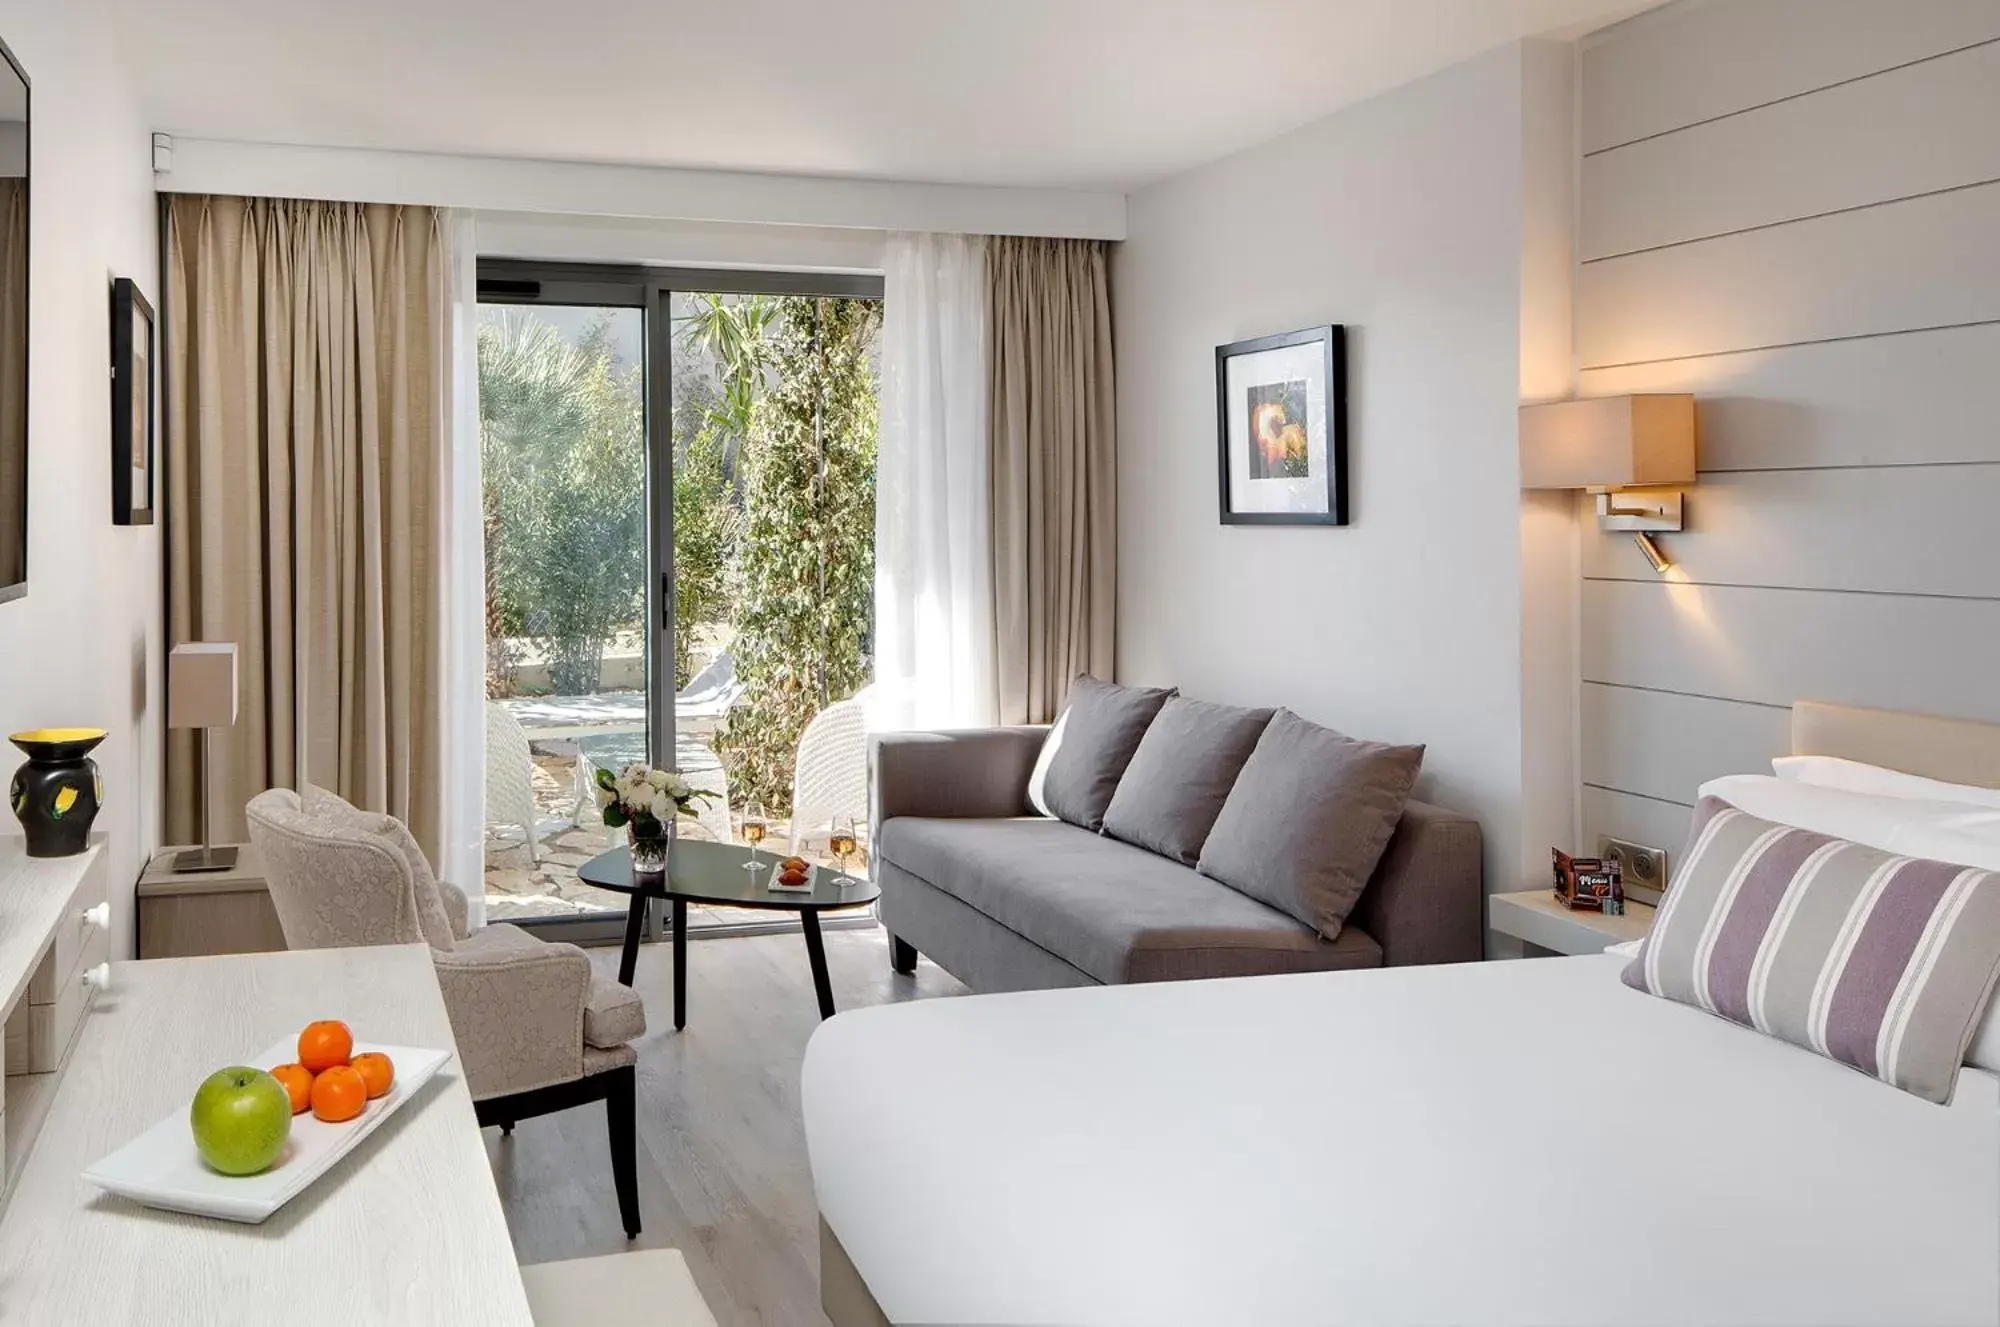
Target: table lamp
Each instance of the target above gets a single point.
(201, 693)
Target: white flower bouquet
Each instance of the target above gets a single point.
(645, 799)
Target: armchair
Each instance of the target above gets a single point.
(537, 1030)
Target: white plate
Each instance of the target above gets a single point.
(161, 1167)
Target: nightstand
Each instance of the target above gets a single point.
(1534, 916)
(182, 914)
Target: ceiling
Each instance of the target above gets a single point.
(1104, 94)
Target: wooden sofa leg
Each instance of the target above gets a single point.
(902, 955)
(621, 1116)
(506, 1128)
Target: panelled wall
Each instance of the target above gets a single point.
(1791, 208)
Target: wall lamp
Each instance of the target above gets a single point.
(1636, 453)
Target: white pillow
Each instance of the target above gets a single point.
(1852, 775)
(1940, 831)
(1038, 778)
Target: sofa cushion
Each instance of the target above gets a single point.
(1113, 911)
(1308, 819)
(1087, 749)
(1181, 774)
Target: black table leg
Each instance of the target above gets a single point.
(680, 963)
(816, 951)
(635, 922)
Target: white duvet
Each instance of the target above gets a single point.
(1528, 1142)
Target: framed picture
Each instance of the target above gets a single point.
(1281, 428)
(132, 405)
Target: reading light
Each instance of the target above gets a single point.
(1636, 453)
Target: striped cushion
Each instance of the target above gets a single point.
(1881, 962)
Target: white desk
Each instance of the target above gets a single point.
(406, 1229)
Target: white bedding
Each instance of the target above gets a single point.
(1526, 1142)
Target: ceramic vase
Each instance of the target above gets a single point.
(651, 848)
(56, 794)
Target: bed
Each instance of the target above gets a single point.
(1529, 1142)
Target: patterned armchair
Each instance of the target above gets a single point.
(537, 1029)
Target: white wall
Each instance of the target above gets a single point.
(586, 239)
(1403, 218)
(84, 646)
(1791, 208)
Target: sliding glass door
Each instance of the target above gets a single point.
(678, 473)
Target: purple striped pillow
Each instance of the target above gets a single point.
(1881, 962)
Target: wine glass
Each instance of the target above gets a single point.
(755, 826)
(840, 841)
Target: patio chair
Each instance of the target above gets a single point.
(830, 771)
(537, 1029)
(510, 775)
(709, 693)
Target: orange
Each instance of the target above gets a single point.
(339, 1094)
(324, 1044)
(298, 1084)
(376, 1070)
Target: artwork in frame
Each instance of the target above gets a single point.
(133, 400)
(1281, 428)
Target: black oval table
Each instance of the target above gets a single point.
(703, 872)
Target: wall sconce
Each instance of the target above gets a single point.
(1636, 453)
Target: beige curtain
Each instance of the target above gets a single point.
(307, 358)
(1054, 459)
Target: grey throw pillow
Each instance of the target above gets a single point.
(1181, 774)
(1309, 818)
(1088, 748)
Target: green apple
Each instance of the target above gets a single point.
(241, 1119)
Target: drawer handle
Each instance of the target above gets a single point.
(99, 916)
(98, 978)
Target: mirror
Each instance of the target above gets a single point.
(13, 328)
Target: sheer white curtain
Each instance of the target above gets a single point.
(463, 860)
(934, 654)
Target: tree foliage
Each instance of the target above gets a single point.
(562, 445)
(807, 562)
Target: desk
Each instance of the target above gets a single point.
(406, 1229)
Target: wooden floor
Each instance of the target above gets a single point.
(722, 1155)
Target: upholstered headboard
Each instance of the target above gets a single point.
(1954, 750)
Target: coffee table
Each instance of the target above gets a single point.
(702, 872)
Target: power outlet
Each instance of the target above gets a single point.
(1644, 869)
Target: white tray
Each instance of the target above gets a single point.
(161, 1167)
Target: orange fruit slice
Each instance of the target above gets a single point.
(324, 1044)
(297, 1080)
(377, 1072)
(339, 1094)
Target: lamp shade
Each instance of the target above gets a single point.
(1609, 442)
(201, 685)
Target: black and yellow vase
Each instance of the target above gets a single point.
(56, 794)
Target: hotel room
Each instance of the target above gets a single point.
(1301, 663)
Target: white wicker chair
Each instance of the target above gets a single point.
(510, 775)
(830, 772)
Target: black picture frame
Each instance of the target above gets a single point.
(1331, 338)
(134, 398)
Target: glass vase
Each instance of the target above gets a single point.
(650, 847)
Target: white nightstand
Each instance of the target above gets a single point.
(1534, 916)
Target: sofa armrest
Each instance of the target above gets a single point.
(516, 1005)
(973, 772)
(1426, 902)
(456, 910)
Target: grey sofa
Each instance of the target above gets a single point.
(1006, 900)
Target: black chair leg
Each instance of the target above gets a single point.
(621, 1116)
(506, 1128)
(902, 955)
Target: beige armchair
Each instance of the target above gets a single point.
(537, 1030)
